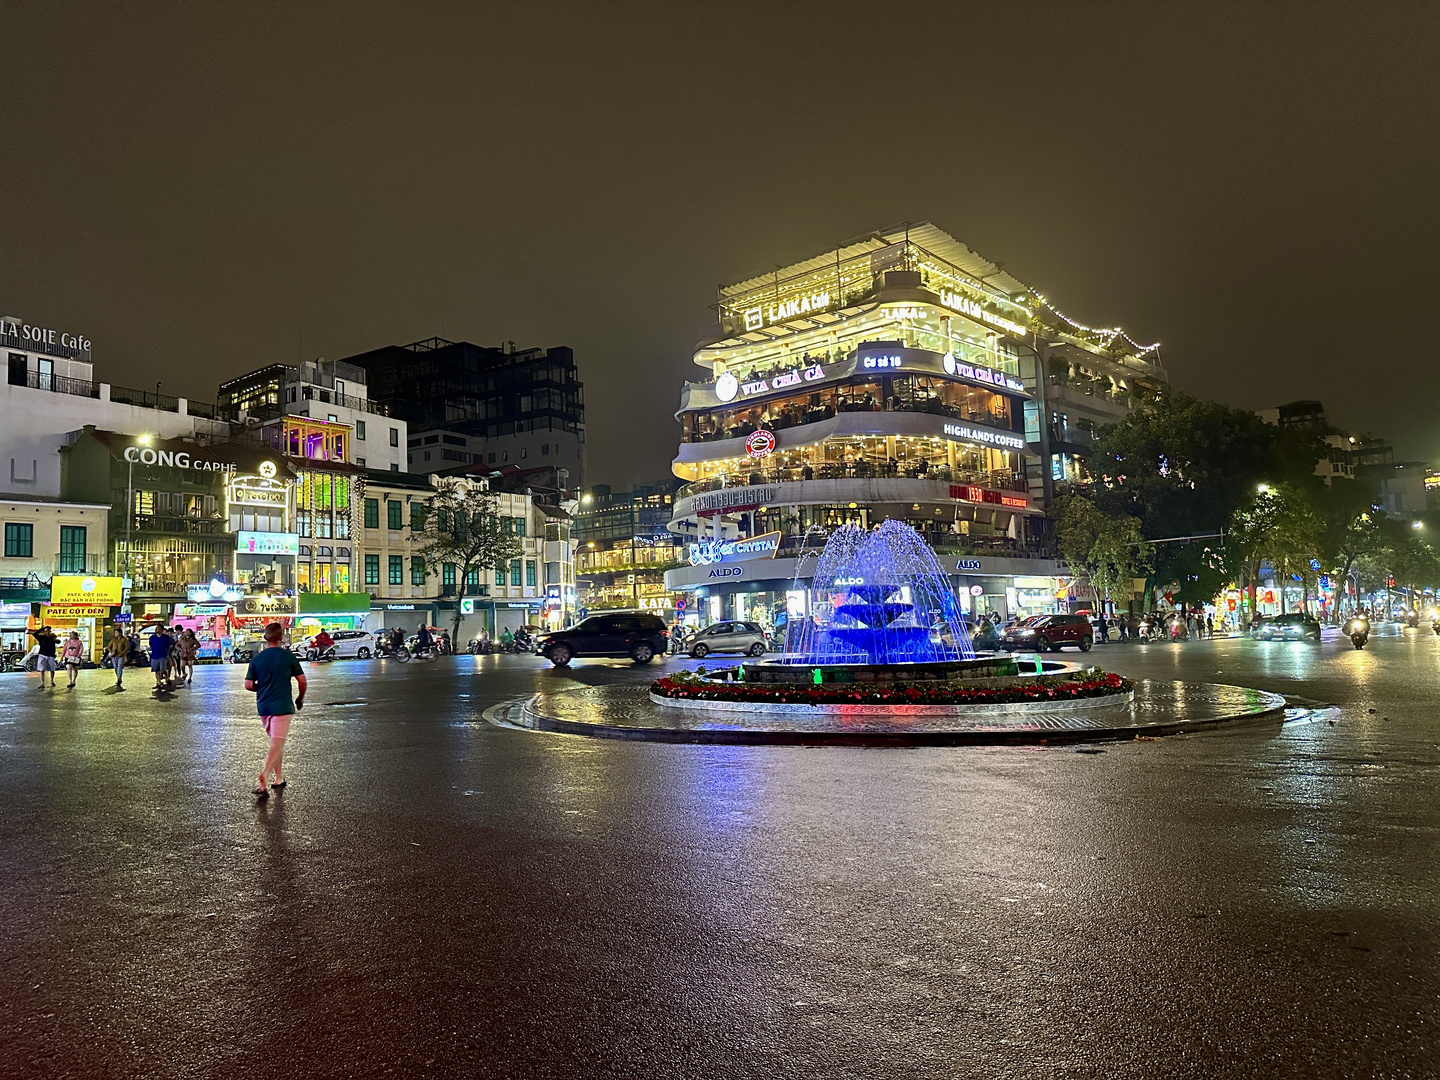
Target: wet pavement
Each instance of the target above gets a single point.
(435, 896)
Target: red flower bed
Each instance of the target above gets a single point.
(1093, 683)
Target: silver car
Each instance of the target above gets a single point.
(731, 637)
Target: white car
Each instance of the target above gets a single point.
(349, 644)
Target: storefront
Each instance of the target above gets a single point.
(82, 604)
(333, 611)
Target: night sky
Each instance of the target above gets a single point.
(204, 189)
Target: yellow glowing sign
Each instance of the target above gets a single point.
(86, 590)
(785, 310)
(963, 304)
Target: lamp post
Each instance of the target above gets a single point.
(143, 440)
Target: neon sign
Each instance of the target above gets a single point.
(963, 304)
(756, 317)
(760, 444)
(980, 435)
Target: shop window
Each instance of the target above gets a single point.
(20, 540)
(417, 571)
(397, 570)
(530, 572)
(372, 569)
(372, 513)
(515, 572)
(393, 515)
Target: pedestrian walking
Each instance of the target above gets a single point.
(119, 653)
(187, 648)
(72, 653)
(1123, 626)
(160, 657)
(1103, 627)
(45, 656)
(268, 677)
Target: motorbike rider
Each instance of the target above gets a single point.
(423, 640)
(322, 642)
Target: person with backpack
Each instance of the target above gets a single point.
(268, 678)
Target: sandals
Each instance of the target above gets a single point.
(261, 793)
(280, 784)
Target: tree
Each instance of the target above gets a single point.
(1105, 550)
(1278, 525)
(1184, 467)
(463, 529)
(1353, 527)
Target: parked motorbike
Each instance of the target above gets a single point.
(1359, 632)
(242, 655)
(477, 647)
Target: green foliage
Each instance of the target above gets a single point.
(464, 528)
(1105, 549)
(1278, 525)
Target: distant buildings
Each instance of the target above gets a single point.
(470, 405)
(623, 548)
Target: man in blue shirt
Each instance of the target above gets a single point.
(268, 677)
(160, 657)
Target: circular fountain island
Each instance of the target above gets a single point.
(884, 657)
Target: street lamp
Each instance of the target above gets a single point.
(1417, 524)
(143, 440)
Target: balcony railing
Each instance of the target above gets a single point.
(330, 397)
(146, 400)
(57, 384)
(834, 470)
(89, 562)
(210, 412)
(797, 417)
(171, 524)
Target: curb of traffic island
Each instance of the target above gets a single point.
(529, 718)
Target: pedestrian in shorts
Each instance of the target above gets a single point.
(268, 677)
(160, 658)
(45, 658)
(72, 653)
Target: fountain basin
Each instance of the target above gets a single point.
(797, 671)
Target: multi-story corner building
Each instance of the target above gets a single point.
(538, 587)
(51, 393)
(470, 404)
(624, 547)
(324, 390)
(901, 376)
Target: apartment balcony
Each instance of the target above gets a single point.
(92, 563)
(56, 384)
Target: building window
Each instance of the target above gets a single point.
(427, 455)
(544, 449)
(524, 451)
(417, 570)
(332, 418)
(372, 513)
(515, 572)
(19, 540)
(72, 549)
(417, 517)
(492, 457)
(397, 570)
(394, 467)
(520, 526)
(394, 515)
(472, 578)
(447, 575)
(372, 569)
(500, 574)
(530, 572)
(360, 430)
(394, 436)
(504, 455)
(360, 461)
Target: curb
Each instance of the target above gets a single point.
(532, 720)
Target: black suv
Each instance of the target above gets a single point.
(637, 636)
(1296, 626)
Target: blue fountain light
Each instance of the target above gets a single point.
(881, 597)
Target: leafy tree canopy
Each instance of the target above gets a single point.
(464, 529)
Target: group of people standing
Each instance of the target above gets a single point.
(172, 656)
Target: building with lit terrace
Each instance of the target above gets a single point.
(900, 375)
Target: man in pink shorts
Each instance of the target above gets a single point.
(268, 677)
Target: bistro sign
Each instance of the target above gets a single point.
(43, 339)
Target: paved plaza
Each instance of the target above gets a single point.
(436, 896)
